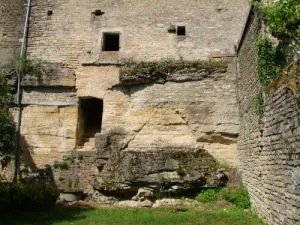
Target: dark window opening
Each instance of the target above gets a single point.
(50, 13)
(181, 31)
(98, 12)
(111, 42)
(91, 114)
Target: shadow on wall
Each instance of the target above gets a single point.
(28, 170)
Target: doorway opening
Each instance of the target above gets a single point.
(90, 121)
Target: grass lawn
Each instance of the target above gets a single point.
(107, 216)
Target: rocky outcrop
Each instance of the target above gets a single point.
(164, 71)
(114, 170)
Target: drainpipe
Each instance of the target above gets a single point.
(19, 91)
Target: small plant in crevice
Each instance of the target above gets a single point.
(61, 165)
(290, 153)
(259, 103)
(164, 183)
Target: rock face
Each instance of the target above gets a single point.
(117, 171)
(170, 137)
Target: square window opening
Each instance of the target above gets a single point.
(111, 42)
(181, 31)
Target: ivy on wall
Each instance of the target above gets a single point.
(270, 62)
(282, 17)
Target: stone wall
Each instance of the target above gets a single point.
(269, 144)
(72, 34)
(181, 131)
(201, 113)
(48, 132)
(12, 18)
(191, 110)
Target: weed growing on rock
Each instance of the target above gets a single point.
(61, 165)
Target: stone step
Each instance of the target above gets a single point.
(88, 139)
(92, 134)
(85, 148)
(87, 144)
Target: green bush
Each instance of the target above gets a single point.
(7, 127)
(282, 17)
(239, 197)
(27, 196)
(208, 195)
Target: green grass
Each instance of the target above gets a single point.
(91, 216)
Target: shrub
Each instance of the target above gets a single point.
(208, 195)
(7, 127)
(27, 196)
(61, 165)
(282, 17)
(239, 197)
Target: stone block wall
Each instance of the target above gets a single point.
(67, 37)
(48, 132)
(72, 34)
(268, 145)
(12, 18)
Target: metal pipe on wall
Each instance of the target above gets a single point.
(19, 90)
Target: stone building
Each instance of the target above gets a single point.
(86, 94)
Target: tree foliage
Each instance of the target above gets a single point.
(282, 17)
(7, 127)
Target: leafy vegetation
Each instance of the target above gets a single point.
(208, 195)
(91, 216)
(7, 127)
(27, 196)
(270, 60)
(259, 103)
(239, 197)
(29, 66)
(32, 67)
(270, 63)
(282, 17)
(61, 165)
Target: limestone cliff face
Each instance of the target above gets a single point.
(180, 130)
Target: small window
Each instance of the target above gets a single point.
(181, 31)
(111, 42)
